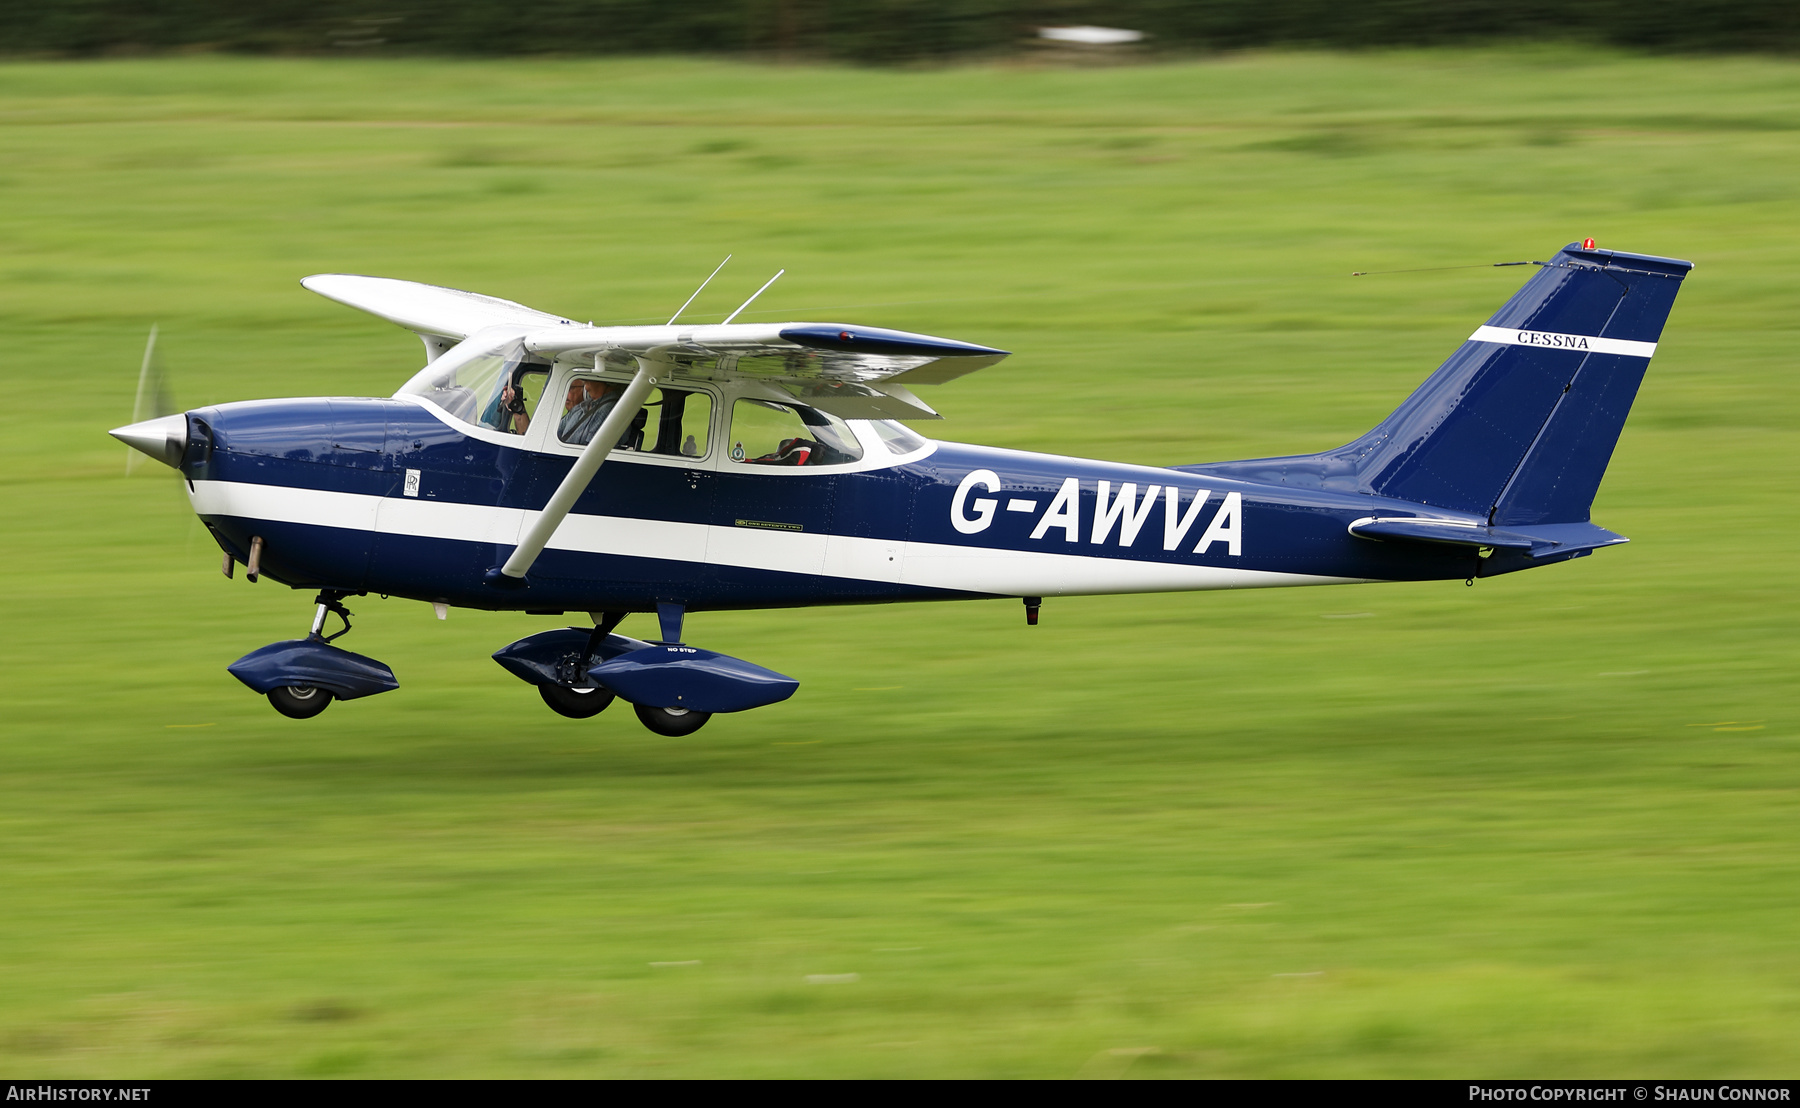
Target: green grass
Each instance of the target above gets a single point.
(1544, 826)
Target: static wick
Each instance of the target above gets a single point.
(1440, 268)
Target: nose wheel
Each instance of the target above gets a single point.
(299, 701)
(672, 722)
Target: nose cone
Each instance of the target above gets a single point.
(164, 439)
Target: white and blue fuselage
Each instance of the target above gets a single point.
(399, 497)
(756, 467)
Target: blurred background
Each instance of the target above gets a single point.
(882, 31)
(1538, 827)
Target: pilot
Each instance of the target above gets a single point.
(506, 411)
(512, 401)
(585, 409)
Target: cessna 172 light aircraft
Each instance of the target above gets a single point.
(537, 464)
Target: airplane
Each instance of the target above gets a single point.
(541, 465)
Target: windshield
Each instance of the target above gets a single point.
(897, 436)
(474, 381)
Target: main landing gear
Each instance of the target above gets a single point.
(672, 722)
(674, 688)
(301, 677)
(576, 703)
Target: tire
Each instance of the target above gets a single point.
(575, 703)
(299, 701)
(672, 722)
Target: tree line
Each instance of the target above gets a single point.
(867, 31)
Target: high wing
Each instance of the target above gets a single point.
(851, 371)
(426, 309)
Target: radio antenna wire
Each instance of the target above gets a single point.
(690, 300)
(754, 295)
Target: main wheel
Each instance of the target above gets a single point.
(299, 701)
(673, 722)
(575, 703)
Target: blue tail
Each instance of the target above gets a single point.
(1519, 424)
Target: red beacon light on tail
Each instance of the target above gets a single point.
(1587, 244)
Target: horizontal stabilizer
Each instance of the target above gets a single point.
(1558, 539)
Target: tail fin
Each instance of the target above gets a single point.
(1519, 424)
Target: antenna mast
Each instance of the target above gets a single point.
(690, 300)
(754, 295)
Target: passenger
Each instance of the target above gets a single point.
(585, 409)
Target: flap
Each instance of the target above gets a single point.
(849, 400)
(776, 352)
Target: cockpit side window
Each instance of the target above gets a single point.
(585, 407)
(673, 422)
(484, 380)
(764, 432)
(511, 408)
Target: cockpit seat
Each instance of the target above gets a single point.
(791, 452)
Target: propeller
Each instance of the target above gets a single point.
(157, 428)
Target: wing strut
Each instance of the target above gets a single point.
(548, 520)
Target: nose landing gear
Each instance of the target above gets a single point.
(301, 677)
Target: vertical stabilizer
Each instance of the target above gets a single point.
(1519, 424)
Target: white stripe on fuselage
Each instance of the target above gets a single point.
(929, 565)
(1556, 340)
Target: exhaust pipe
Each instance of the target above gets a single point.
(164, 438)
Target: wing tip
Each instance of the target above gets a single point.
(880, 340)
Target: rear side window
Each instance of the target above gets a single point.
(679, 422)
(767, 433)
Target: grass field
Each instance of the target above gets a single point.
(1544, 826)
